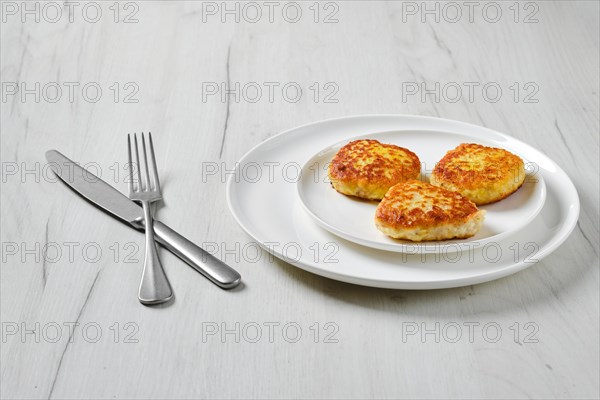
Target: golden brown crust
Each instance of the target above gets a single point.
(480, 173)
(367, 168)
(418, 204)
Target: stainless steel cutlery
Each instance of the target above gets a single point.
(154, 285)
(103, 195)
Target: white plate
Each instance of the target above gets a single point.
(352, 218)
(268, 209)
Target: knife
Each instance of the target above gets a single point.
(112, 201)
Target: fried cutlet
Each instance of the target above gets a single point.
(481, 174)
(367, 168)
(418, 211)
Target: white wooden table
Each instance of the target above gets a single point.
(72, 326)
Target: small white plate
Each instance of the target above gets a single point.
(268, 209)
(353, 219)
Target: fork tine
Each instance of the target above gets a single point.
(137, 161)
(154, 167)
(130, 163)
(146, 171)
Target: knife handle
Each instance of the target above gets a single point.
(202, 261)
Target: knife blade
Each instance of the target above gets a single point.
(109, 199)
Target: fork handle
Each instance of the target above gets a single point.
(154, 285)
(202, 261)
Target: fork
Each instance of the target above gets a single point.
(154, 286)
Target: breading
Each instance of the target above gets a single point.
(367, 168)
(481, 174)
(418, 211)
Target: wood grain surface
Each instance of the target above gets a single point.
(165, 67)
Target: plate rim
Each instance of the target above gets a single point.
(431, 247)
(568, 224)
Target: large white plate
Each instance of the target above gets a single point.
(267, 208)
(353, 219)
